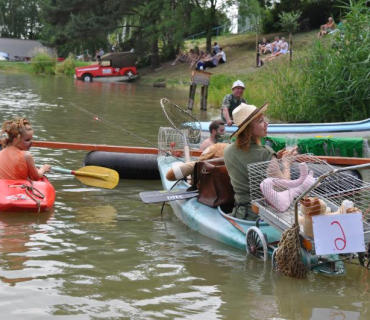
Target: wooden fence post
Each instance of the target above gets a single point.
(203, 98)
(203, 78)
(193, 88)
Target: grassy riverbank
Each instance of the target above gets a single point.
(240, 51)
(42, 64)
(241, 64)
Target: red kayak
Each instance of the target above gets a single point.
(26, 196)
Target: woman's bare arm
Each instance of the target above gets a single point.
(35, 174)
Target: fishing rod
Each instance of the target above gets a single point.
(111, 124)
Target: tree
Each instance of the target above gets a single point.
(152, 27)
(20, 19)
(289, 23)
(82, 23)
(207, 9)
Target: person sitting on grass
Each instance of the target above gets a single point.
(284, 48)
(216, 48)
(262, 45)
(275, 46)
(201, 61)
(221, 56)
(195, 58)
(16, 162)
(326, 28)
(266, 49)
(216, 130)
(181, 56)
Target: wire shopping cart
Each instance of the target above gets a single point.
(314, 188)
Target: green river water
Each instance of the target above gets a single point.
(103, 254)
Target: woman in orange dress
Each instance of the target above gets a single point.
(16, 162)
(326, 28)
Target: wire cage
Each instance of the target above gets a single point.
(336, 192)
(170, 141)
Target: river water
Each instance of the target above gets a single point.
(103, 254)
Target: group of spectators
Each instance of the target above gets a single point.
(330, 27)
(201, 60)
(277, 48)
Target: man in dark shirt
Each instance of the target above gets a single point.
(231, 101)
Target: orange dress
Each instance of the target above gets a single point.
(13, 165)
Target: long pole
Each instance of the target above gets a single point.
(348, 161)
(111, 124)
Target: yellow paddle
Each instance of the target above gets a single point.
(93, 176)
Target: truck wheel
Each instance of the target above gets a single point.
(87, 78)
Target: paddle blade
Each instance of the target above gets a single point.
(166, 195)
(98, 177)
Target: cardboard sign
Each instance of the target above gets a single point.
(338, 233)
(334, 314)
(201, 77)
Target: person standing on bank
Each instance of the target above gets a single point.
(247, 149)
(231, 101)
(216, 129)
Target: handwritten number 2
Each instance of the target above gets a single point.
(344, 241)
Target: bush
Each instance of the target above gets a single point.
(68, 66)
(43, 62)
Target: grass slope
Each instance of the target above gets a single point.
(241, 64)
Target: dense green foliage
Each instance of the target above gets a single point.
(20, 19)
(156, 29)
(317, 12)
(43, 62)
(68, 66)
(332, 83)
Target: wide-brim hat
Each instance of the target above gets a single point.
(244, 114)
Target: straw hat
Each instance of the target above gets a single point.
(244, 114)
(238, 83)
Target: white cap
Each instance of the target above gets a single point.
(238, 83)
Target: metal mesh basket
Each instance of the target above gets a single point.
(334, 188)
(170, 141)
(182, 120)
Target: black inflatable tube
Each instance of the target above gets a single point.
(128, 165)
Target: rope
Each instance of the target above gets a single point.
(32, 192)
(288, 254)
(111, 124)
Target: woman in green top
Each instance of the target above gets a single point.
(247, 149)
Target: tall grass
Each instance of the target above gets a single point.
(43, 62)
(68, 66)
(332, 82)
(257, 90)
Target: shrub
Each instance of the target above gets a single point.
(68, 66)
(43, 62)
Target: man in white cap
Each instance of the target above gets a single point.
(231, 101)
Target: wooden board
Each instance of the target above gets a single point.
(143, 150)
(201, 77)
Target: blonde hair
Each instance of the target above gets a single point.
(13, 129)
(245, 138)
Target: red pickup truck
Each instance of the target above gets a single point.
(117, 66)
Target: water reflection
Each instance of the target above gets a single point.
(17, 231)
(101, 215)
